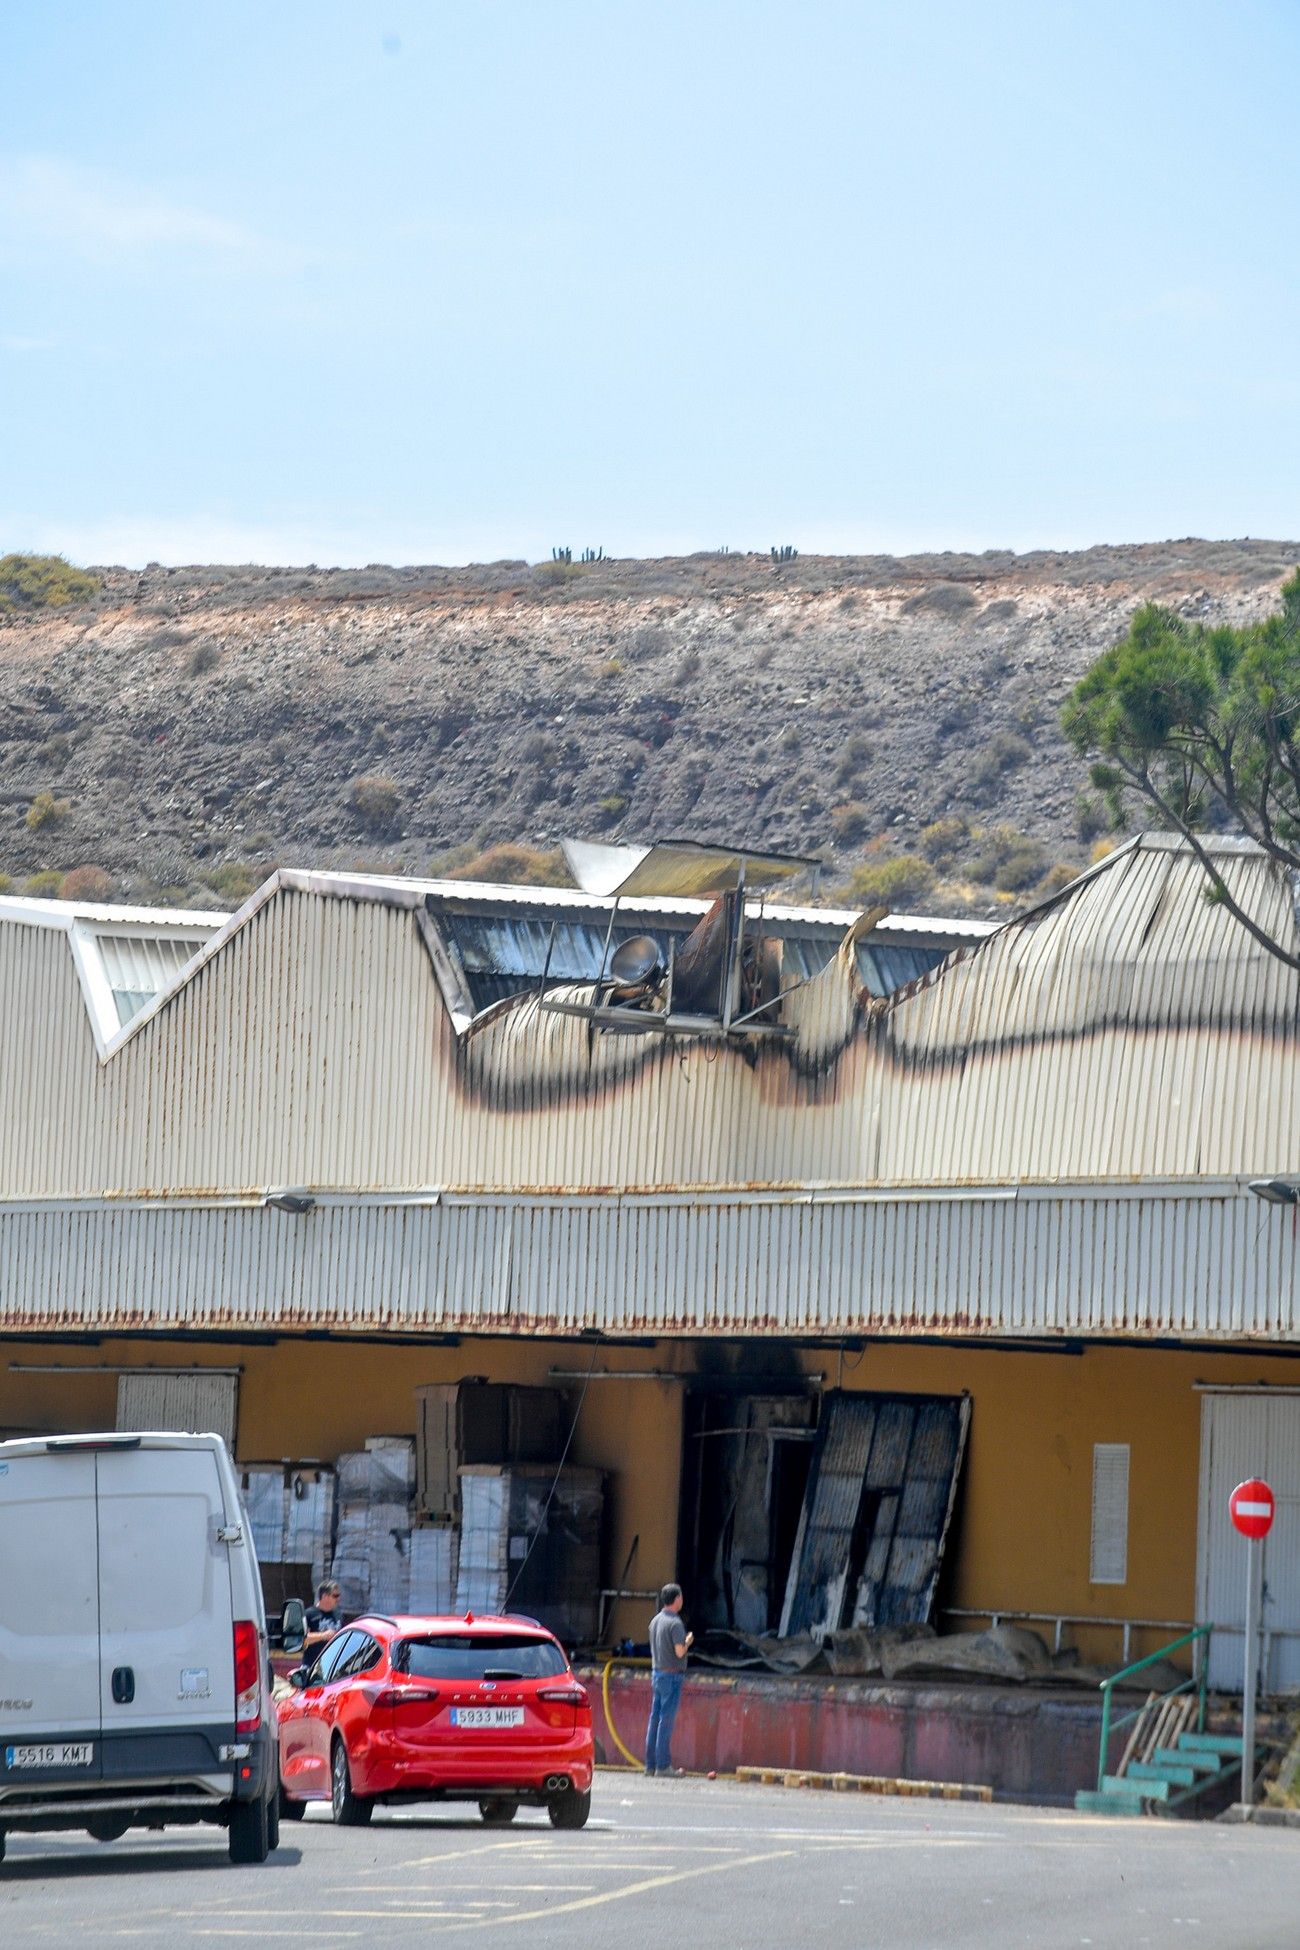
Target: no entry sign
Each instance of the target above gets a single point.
(1251, 1507)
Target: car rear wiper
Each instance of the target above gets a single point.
(501, 1672)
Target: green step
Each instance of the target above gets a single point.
(1089, 1802)
(1147, 1789)
(1211, 1743)
(1176, 1773)
(1186, 1757)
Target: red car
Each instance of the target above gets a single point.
(438, 1709)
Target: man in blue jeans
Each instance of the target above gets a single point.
(669, 1644)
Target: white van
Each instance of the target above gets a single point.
(134, 1677)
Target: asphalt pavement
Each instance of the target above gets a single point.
(688, 1862)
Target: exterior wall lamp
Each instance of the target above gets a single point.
(1276, 1191)
(295, 1202)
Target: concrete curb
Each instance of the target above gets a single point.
(1239, 1813)
(864, 1784)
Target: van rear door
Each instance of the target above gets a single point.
(166, 1652)
(49, 1621)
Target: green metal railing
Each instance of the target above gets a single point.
(1196, 1679)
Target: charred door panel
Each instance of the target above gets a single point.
(876, 1512)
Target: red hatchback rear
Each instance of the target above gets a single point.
(438, 1709)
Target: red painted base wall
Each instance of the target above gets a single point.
(1027, 1745)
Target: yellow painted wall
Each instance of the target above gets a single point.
(1025, 1509)
(1023, 1525)
(305, 1400)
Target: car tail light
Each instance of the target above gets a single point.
(574, 1695)
(248, 1677)
(406, 1696)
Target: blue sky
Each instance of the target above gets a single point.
(430, 282)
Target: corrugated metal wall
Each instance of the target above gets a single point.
(1245, 1435)
(1207, 1265)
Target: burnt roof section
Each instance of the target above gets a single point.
(500, 948)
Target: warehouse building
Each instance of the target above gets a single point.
(963, 1220)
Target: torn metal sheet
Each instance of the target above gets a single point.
(741, 1651)
(876, 1513)
(686, 867)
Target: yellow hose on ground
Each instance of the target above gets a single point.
(626, 1752)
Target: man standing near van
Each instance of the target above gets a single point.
(669, 1644)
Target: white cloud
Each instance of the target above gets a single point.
(24, 342)
(104, 219)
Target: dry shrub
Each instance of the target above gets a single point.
(232, 881)
(893, 883)
(45, 810)
(1004, 750)
(205, 656)
(854, 756)
(1021, 867)
(848, 822)
(375, 798)
(943, 839)
(512, 865)
(1057, 876)
(951, 599)
(87, 884)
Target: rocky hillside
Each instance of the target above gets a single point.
(186, 729)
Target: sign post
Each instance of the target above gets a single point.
(1251, 1509)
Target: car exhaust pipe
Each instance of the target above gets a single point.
(556, 1783)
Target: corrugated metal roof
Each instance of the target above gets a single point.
(471, 894)
(1130, 1030)
(1049, 1136)
(27, 912)
(519, 915)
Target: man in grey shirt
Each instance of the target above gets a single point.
(669, 1644)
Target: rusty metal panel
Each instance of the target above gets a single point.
(1188, 1263)
(1128, 1032)
(309, 1043)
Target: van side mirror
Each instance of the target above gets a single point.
(293, 1625)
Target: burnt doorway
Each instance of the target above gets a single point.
(745, 1470)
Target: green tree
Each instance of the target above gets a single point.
(1200, 726)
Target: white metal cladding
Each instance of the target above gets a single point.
(1250, 1434)
(1129, 1031)
(1206, 1266)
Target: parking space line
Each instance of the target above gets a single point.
(450, 1855)
(537, 1888)
(633, 1889)
(424, 1913)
